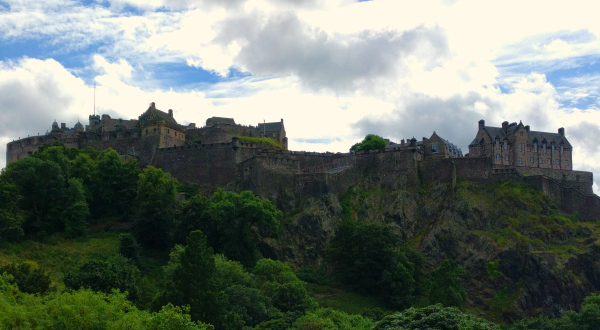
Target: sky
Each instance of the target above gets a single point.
(333, 70)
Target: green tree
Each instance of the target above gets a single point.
(192, 273)
(115, 184)
(370, 142)
(129, 247)
(76, 214)
(434, 317)
(361, 253)
(194, 216)
(28, 277)
(445, 287)
(238, 222)
(156, 198)
(42, 186)
(287, 292)
(11, 218)
(103, 276)
(327, 318)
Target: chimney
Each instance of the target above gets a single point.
(505, 127)
(481, 124)
(171, 113)
(63, 126)
(402, 143)
(527, 128)
(561, 131)
(152, 106)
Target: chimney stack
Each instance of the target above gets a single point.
(505, 127)
(481, 124)
(152, 106)
(561, 131)
(171, 113)
(402, 143)
(63, 126)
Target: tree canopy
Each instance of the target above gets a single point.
(370, 142)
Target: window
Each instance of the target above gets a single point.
(434, 148)
(535, 147)
(497, 144)
(532, 160)
(540, 161)
(549, 162)
(520, 146)
(497, 157)
(544, 148)
(521, 133)
(557, 162)
(520, 161)
(566, 163)
(505, 157)
(561, 150)
(553, 149)
(505, 145)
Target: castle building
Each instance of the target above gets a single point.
(517, 145)
(141, 137)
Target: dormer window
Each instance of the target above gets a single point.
(552, 148)
(534, 146)
(497, 144)
(434, 148)
(561, 150)
(505, 145)
(543, 147)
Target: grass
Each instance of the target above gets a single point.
(345, 301)
(264, 140)
(60, 255)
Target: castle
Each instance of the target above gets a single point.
(223, 153)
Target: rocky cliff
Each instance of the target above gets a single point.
(522, 255)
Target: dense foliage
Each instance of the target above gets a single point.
(370, 142)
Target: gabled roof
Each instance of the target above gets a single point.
(270, 127)
(494, 132)
(153, 115)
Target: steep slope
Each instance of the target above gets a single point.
(522, 256)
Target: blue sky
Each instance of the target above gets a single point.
(334, 70)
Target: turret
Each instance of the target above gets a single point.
(55, 126)
(78, 127)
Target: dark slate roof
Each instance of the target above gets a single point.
(153, 115)
(474, 142)
(549, 137)
(498, 132)
(219, 120)
(270, 127)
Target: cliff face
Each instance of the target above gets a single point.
(522, 256)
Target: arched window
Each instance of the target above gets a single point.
(497, 144)
(543, 148)
(534, 146)
(505, 145)
(552, 148)
(561, 150)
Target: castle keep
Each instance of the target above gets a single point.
(224, 153)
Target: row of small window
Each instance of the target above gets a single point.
(535, 147)
(541, 161)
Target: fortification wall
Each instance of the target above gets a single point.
(575, 179)
(214, 164)
(219, 133)
(475, 169)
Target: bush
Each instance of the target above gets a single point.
(28, 277)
